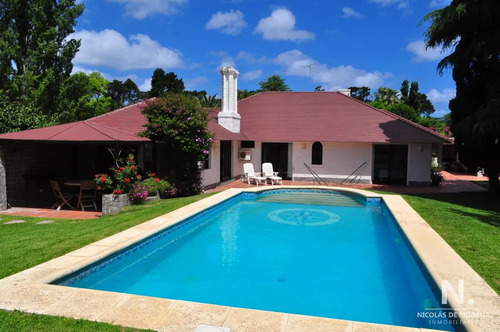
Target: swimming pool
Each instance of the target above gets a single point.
(335, 256)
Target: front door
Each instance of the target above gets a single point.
(276, 154)
(390, 164)
(225, 160)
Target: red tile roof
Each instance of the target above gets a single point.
(325, 117)
(265, 117)
(121, 125)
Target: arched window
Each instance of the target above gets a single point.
(317, 153)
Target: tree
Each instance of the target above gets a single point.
(274, 83)
(35, 54)
(84, 96)
(209, 101)
(405, 91)
(242, 94)
(360, 93)
(471, 29)
(387, 95)
(319, 88)
(180, 128)
(162, 83)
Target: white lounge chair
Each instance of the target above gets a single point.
(251, 175)
(268, 173)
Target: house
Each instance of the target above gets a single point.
(337, 136)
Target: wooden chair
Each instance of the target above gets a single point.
(62, 198)
(87, 196)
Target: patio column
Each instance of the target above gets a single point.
(3, 183)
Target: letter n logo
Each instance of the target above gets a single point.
(446, 288)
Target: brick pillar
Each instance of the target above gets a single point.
(3, 183)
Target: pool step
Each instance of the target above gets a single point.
(311, 198)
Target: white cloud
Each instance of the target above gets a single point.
(252, 75)
(230, 23)
(400, 3)
(350, 13)
(252, 59)
(281, 26)
(439, 3)
(441, 97)
(297, 63)
(196, 82)
(422, 54)
(145, 85)
(109, 48)
(141, 9)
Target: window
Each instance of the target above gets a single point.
(317, 153)
(206, 162)
(248, 144)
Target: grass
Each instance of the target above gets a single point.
(15, 321)
(26, 245)
(469, 222)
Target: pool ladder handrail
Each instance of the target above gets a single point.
(357, 169)
(315, 176)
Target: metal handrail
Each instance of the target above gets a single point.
(316, 177)
(363, 164)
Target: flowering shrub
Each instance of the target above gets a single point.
(155, 184)
(122, 178)
(180, 127)
(103, 182)
(138, 194)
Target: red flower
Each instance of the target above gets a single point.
(127, 180)
(121, 168)
(132, 167)
(116, 171)
(117, 191)
(99, 188)
(139, 176)
(157, 180)
(96, 176)
(153, 174)
(103, 179)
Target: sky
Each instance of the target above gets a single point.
(330, 43)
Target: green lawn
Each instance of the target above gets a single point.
(469, 222)
(27, 244)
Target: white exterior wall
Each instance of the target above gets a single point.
(256, 159)
(419, 163)
(212, 174)
(339, 161)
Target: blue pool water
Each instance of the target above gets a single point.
(334, 256)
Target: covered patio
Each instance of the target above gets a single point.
(74, 151)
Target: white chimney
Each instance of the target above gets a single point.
(229, 117)
(346, 92)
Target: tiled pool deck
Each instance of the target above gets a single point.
(29, 290)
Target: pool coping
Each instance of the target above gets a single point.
(30, 290)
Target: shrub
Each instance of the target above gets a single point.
(180, 127)
(122, 179)
(155, 184)
(138, 194)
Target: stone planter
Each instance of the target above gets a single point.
(153, 198)
(113, 203)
